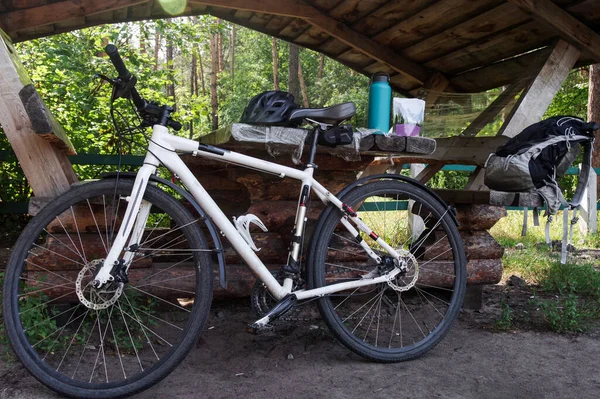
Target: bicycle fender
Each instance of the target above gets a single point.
(214, 232)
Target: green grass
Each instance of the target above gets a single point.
(572, 290)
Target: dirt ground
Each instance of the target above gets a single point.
(303, 361)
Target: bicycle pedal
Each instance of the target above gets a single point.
(256, 329)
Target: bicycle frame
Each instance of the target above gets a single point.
(163, 149)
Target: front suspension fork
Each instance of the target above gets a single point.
(132, 228)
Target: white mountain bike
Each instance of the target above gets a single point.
(110, 285)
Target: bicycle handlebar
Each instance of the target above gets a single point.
(117, 61)
(127, 84)
(125, 76)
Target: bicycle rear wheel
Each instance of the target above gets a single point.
(406, 317)
(122, 338)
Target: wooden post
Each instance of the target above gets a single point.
(36, 138)
(589, 212)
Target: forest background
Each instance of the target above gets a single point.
(209, 69)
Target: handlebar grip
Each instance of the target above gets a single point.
(117, 61)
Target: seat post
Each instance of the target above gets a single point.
(313, 149)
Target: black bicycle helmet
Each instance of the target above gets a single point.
(269, 108)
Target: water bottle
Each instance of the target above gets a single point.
(380, 99)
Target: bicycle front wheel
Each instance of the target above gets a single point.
(403, 318)
(126, 336)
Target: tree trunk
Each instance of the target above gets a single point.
(220, 48)
(201, 73)
(293, 84)
(321, 66)
(143, 37)
(594, 110)
(171, 84)
(302, 86)
(214, 66)
(156, 47)
(232, 49)
(275, 65)
(193, 87)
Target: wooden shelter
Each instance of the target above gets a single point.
(459, 46)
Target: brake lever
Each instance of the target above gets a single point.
(105, 78)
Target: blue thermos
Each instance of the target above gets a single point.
(380, 100)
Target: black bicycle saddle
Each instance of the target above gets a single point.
(330, 115)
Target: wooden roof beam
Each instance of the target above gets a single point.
(569, 27)
(299, 9)
(59, 12)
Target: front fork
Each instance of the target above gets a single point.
(132, 228)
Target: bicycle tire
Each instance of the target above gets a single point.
(124, 342)
(433, 252)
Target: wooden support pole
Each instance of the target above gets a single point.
(45, 165)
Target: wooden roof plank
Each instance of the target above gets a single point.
(333, 47)
(391, 13)
(295, 28)
(497, 19)
(22, 4)
(312, 36)
(243, 14)
(588, 10)
(437, 18)
(143, 10)
(499, 74)
(493, 48)
(57, 12)
(349, 11)
(569, 27)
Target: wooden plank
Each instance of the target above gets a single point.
(458, 150)
(312, 37)
(334, 47)
(496, 198)
(58, 12)
(428, 172)
(390, 14)
(350, 11)
(494, 108)
(493, 48)
(498, 19)
(21, 4)
(47, 168)
(587, 10)
(533, 103)
(432, 20)
(355, 57)
(140, 11)
(499, 74)
(293, 29)
(476, 180)
(569, 27)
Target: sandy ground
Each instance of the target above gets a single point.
(304, 361)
